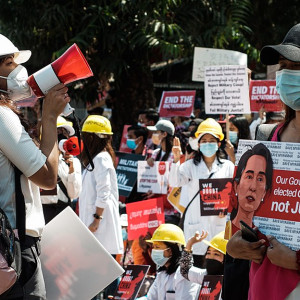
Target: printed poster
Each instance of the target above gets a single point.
(211, 287)
(263, 93)
(215, 196)
(75, 264)
(127, 172)
(144, 216)
(131, 282)
(269, 190)
(174, 198)
(204, 57)
(177, 103)
(226, 90)
(154, 179)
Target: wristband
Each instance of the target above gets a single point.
(188, 251)
(97, 217)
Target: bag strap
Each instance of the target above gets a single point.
(181, 222)
(20, 207)
(64, 189)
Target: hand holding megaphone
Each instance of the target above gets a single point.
(69, 67)
(70, 146)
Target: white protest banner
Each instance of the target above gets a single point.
(277, 210)
(204, 57)
(154, 179)
(226, 90)
(75, 264)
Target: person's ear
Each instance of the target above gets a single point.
(235, 185)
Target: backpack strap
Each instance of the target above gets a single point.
(20, 206)
(265, 132)
(64, 189)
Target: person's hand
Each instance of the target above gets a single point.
(94, 225)
(176, 149)
(280, 255)
(142, 241)
(195, 239)
(237, 247)
(55, 100)
(148, 195)
(69, 161)
(221, 214)
(262, 112)
(150, 162)
(229, 149)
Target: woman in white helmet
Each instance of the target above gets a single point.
(37, 165)
(99, 198)
(207, 163)
(167, 243)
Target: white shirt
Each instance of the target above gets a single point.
(100, 189)
(188, 174)
(72, 182)
(173, 286)
(17, 148)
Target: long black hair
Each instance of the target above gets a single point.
(169, 145)
(241, 123)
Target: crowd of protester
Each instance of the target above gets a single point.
(188, 246)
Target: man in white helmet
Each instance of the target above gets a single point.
(37, 165)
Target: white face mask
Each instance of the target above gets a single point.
(17, 87)
(194, 143)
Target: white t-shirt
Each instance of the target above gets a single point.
(17, 148)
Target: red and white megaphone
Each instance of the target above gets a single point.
(70, 146)
(69, 67)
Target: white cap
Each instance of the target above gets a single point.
(7, 47)
(124, 220)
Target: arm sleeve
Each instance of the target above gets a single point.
(103, 180)
(179, 174)
(17, 145)
(153, 292)
(74, 181)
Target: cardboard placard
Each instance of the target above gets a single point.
(263, 93)
(154, 179)
(131, 282)
(75, 264)
(204, 57)
(226, 90)
(211, 287)
(177, 103)
(127, 172)
(278, 212)
(144, 216)
(174, 199)
(215, 196)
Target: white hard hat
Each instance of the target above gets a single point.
(7, 47)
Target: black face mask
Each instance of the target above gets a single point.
(214, 267)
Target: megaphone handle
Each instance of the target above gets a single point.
(67, 110)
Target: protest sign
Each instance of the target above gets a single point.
(279, 209)
(263, 93)
(144, 216)
(211, 287)
(174, 199)
(131, 282)
(123, 145)
(75, 264)
(177, 103)
(215, 196)
(204, 57)
(226, 90)
(154, 179)
(127, 172)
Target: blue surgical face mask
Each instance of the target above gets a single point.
(288, 87)
(131, 144)
(233, 137)
(158, 257)
(209, 149)
(124, 234)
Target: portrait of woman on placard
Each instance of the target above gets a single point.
(251, 184)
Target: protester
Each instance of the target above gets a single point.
(214, 257)
(38, 165)
(167, 241)
(238, 129)
(69, 177)
(98, 200)
(276, 276)
(207, 163)
(137, 139)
